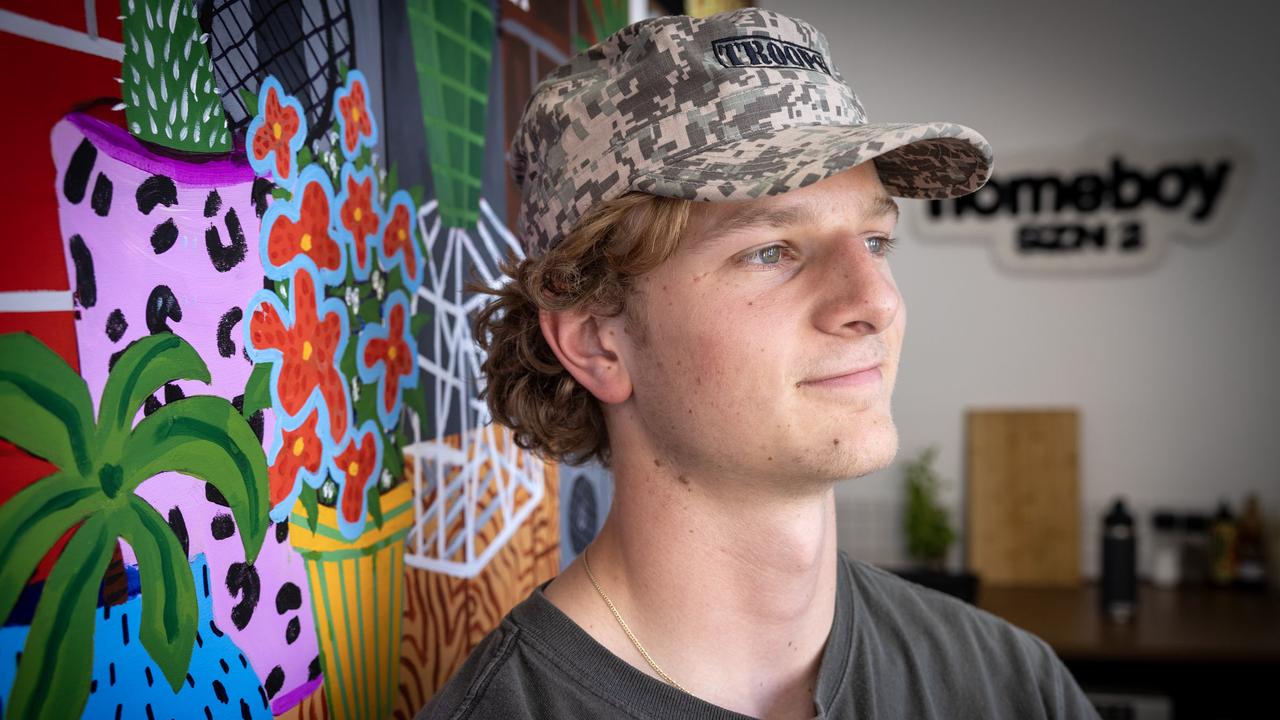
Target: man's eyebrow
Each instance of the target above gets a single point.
(881, 205)
(772, 218)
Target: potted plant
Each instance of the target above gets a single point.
(101, 462)
(333, 342)
(929, 531)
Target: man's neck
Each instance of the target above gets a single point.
(732, 596)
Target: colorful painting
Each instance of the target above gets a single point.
(246, 472)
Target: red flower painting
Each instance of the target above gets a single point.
(301, 228)
(395, 354)
(358, 214)
(398, 237)
(354, 119)
(307, 352)
(359, 464)
(279, 124)
(300, 450)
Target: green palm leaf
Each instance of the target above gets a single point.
(48, 411)
(145, 367)
(169, 611)
(204, 437)
(32, 521)
(58, 657)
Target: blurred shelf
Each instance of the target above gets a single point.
(1203, 624)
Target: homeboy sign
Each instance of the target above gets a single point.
(1115, 208)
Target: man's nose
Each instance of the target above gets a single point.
(857, 293)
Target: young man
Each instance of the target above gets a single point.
(730, 360)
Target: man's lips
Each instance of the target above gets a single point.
(860, 376)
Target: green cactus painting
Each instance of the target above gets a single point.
(170, 95)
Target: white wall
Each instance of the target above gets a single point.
(1173, 369)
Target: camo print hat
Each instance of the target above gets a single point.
(729, 107)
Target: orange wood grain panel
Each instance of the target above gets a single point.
(446, 617)
(1023, 496)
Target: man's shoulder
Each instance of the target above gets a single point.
(528, 667)
(887, 599)
(936, 635)
(465, 694)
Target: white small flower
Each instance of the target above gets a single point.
(379, 284)
(387, 479)
(328, 491)
(355, 391)
(352, 296)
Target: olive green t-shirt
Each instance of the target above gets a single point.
(896, 650)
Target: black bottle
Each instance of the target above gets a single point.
(1118, 588)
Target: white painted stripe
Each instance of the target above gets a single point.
(42, 31)
(36, 301)
(90, 19)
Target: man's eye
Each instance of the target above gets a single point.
(883, 245)
(771, 255)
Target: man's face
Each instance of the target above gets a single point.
(751, 331)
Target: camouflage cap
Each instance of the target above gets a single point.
(728, 107)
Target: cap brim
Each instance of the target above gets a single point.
(914, 160)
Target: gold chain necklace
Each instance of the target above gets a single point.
(626, 629)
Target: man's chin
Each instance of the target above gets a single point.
(865, 452)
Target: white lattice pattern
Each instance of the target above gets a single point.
(476, 474)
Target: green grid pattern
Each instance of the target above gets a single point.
(452, 52)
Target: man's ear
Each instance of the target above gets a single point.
(587, 346)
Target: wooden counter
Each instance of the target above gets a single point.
(1215, 652)
(1170, 624)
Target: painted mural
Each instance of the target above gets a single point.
(243, 468)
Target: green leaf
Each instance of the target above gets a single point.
(417, 192)
(366, 407)
(348, 363)
(393, 460)
(169, 610)
(257, 390)
(375, 506)
(146, 365)
(32, 521)
(419, 320)
(47, 409)
(280, 193)
(304, 157)
(57, 661)
(371, 310)
(250, 101)
(393, 180)
(204, 437)
(310, 503)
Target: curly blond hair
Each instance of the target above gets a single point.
(595, 267)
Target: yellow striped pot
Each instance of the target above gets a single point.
(357, 591)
